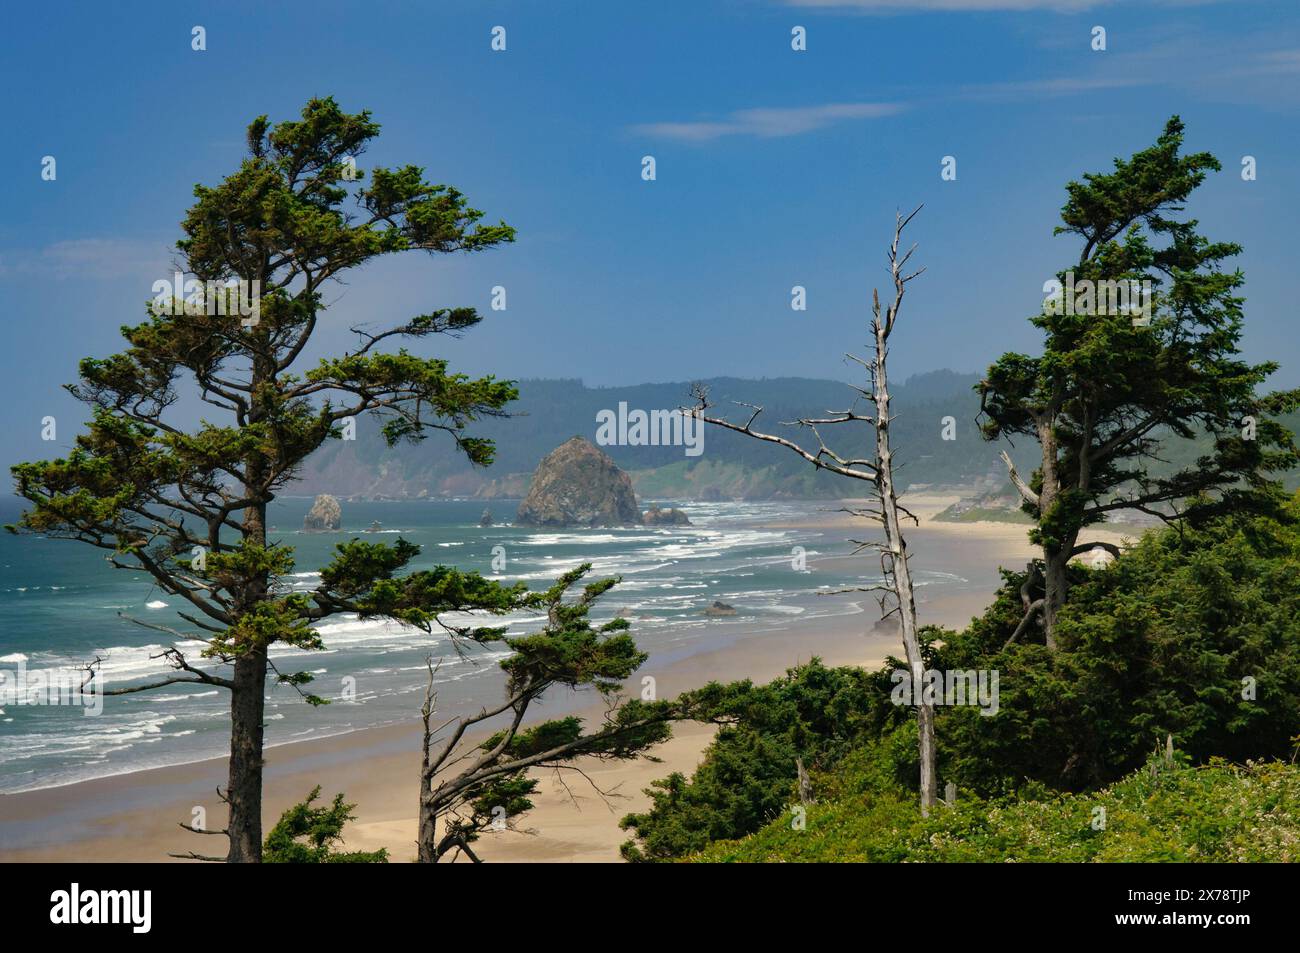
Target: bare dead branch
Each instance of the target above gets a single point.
(1026, 494)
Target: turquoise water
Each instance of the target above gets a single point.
(62, 605)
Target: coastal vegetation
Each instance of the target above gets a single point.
(308, 833)
(1164, 812)
(1191, 635)
(469, 786)
(1109, 378)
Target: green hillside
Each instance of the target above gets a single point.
(731, 466)
(549, 412)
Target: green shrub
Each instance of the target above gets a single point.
(1167, 641)
(748, 772)
(1164, 811)
(308, 835)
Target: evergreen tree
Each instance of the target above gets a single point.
(189, 506)
(466, 788)
(306, 834)
(1111, 383)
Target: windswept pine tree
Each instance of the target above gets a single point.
(1113, 383)
(310, 834)
(188, 507)
(467, 788)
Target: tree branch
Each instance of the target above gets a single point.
(1026, 494)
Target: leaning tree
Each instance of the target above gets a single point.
(471, 784)
(878, 471)
(1114, 386)
(187, 504)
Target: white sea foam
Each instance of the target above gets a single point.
(669, 576)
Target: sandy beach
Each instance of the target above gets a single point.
(135, 817)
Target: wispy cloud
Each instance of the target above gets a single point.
(1253, 70)
(953, 6)
(768, 123)
(95, 258)
(1059, 86)
(1270, 63)
(979, 6)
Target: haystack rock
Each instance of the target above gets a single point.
(578, 485)
(325, 515)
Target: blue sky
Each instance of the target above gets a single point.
(775, 168)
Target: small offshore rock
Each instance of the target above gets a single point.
(325, 515)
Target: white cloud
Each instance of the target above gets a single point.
(1059, 86)
(1271, 63)
(1253, 70)
(769, 123)
(95, 258)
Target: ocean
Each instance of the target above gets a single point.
(62, 605)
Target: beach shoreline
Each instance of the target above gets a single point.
(136, 816)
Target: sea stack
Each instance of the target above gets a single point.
(669, 517)
(325, 515)
(576, 484)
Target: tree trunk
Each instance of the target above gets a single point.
(244, 788)
(896, 547)
(805, 782)
(929, 782)
(248, 696)
(427, 812)
(1056, 585)
(428, 835)
(1057, 554)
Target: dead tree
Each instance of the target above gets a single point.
(877, 471)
